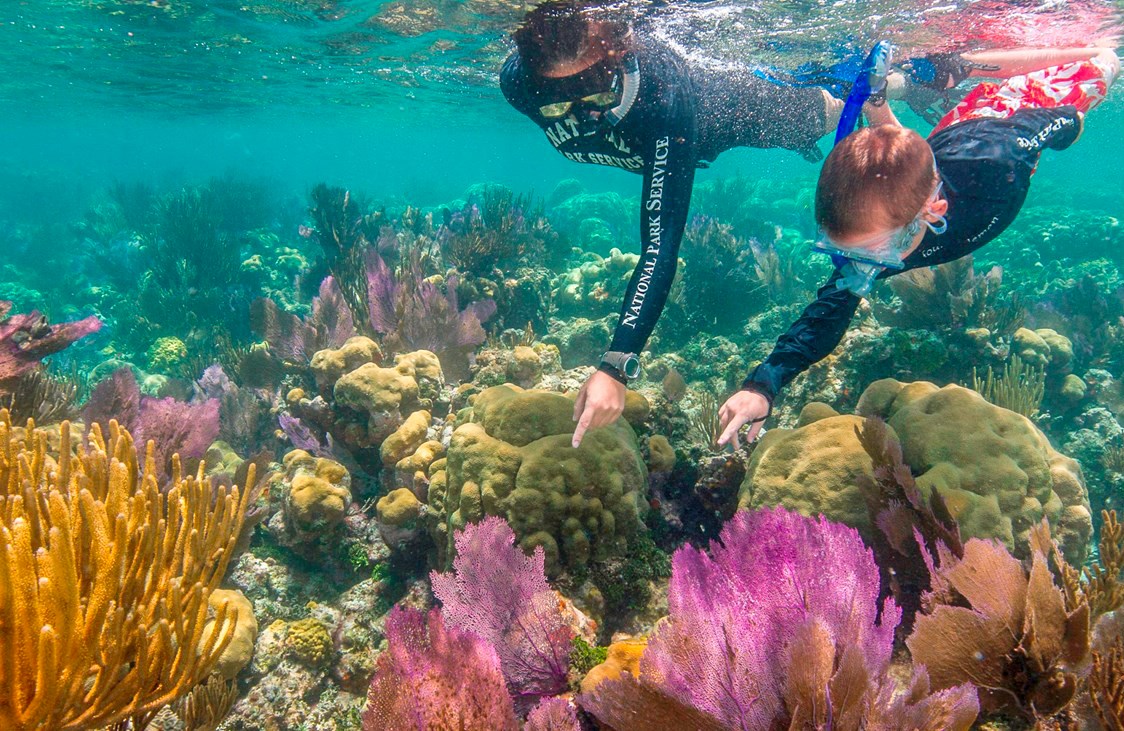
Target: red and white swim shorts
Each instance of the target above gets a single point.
(1082, 84)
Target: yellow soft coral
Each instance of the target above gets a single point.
(105, 580)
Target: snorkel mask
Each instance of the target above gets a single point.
(860, 263)
(596, 98)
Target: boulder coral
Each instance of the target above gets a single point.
(329, 364)
(1044, 348)
(238, 653)
(994, 468)
(388, 395)
(513, 458)
(317, 498)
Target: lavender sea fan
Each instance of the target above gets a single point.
(500, 594)
(775, 628)
(411, 312)
(294, 339)
(436, 677)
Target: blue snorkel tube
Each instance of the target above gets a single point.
(871, 80)
(857, 276)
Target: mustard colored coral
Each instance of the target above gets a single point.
(514, 459)
(319, 493)
(406, 438)
(328, 365)
(240, 650)
(398, 507)
(994, 468)
(105, 581)
(309, 642)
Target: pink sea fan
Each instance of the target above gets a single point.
(500, 594)
(26, 339)
(553, 714)
(436, 677)
(294, 339)
(177, 427)
(174, 427)
(774, 628)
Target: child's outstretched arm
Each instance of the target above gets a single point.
(1003, 64)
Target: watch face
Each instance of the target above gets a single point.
(631, 367)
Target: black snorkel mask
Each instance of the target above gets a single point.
(595, 99)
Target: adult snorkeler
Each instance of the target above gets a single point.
(607, 95)
(888, 200)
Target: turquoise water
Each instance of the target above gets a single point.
(136, 134)
(391, 102)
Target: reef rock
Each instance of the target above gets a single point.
(513, 458)
(994, 468)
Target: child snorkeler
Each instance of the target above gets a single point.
(888, 200)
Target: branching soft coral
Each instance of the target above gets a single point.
(990, 622)
(501, 594)
(1100, 584)
(957, 296)
(775, 629)
(105, 580)
(1106, 686)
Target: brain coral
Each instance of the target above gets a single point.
(996, 471)
(513, 459)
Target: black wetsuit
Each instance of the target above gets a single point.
(682, 115)
(986, 166)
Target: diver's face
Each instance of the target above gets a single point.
(584, 94)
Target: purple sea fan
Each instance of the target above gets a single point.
(27, 339)
(293, 339)
(436, 677)
(117, 397)
(500, 594)
(177, 427)
(553, 714)
(414, 313)
(775, 628)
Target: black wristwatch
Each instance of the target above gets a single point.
(626, 364)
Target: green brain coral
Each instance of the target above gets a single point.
(514, 459)
(996, 471)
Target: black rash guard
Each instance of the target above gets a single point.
(681, 116)
(986, 166)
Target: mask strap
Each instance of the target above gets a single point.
(939, 227)
(630, 89)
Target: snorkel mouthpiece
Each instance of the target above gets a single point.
(630, 89)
